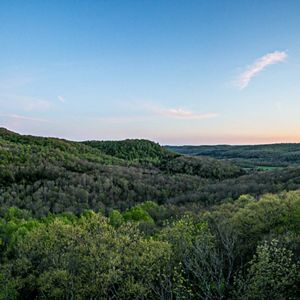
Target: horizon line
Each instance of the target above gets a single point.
(155, 141)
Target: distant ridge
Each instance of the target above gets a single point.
(269, 155)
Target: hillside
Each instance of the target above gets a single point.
(139, 150)
(148, 153)
(53, 175)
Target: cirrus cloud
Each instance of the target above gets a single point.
(260, 64)
(174, 112)
(180, 113)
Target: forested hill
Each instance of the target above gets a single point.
(54, 175)
(263, 156)
(137, 153)
(133, 149)
(148, 153)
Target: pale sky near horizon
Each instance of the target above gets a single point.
(175, 72)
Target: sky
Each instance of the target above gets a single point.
(175, 72)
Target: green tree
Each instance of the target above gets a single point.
(115, 218)
(271, 274)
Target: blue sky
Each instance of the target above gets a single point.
(176, 72)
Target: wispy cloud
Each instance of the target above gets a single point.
(261, 63)
(149, 111)
(181, 113)
(26, 103)
(20, 117)
(61, 99)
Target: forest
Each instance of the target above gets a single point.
(254, 156)
(134, 220)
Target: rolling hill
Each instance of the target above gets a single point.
(250, 156)
(54, 175)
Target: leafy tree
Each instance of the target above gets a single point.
(271, 274)
(115, 218)
(137, 214)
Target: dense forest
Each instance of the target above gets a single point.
(50, 175)
(133, 220)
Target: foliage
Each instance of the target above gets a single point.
(131, 220)
(271, 274)
(195, 256)
(86, 260)
(48, 175)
